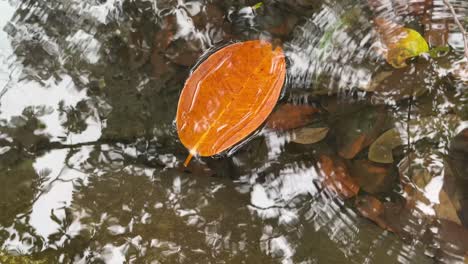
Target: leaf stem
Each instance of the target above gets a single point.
(188, 159)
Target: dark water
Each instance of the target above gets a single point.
(90, 162)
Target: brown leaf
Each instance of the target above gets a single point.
(336, 177)
(373, 177)
(229, 96)
(381, 149)
(352, 149)
(290, 116)
(436, 33)
(160, 65)
(197, 168)
(309, 135)
(371, 208)
(446, 209)
(358, 130)
(452, 237)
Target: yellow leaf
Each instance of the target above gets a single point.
(408, 44)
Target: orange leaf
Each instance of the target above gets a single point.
(290, 116)
(229, 96)
(337, 178)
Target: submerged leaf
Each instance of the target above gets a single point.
(446, 208)
(373, 177)
(290, 116)
(229, 96)
(371, 208)
(337, 178)
(381, 150)
(357, 130)
(5, 257)
(309, 135)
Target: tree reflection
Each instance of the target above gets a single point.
(93, 173)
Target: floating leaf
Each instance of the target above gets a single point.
(290, 116)
(229, 96)
(381, 150)
(337, 178)
(309, 135)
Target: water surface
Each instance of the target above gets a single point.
(90, 161)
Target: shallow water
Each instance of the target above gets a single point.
(90, 160)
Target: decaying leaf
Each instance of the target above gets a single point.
(381, 150)
(309, 135)
(371, 208)
(395, 87)
(5, 257)
(229, 95)
(410, 44)
(336, 177)
(391, 216)
(401, 43)
(452, 238)
(446, 209)
(373, 177)
(357, 130)
(290, 116)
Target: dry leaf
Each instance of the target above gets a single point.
(229, 95)
(309, 135)
(290, 116)
(337, 178)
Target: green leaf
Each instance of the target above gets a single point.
(381, 150)
(257, 5)
(309, 135)
(436, 51)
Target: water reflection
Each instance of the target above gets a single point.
(90, 160)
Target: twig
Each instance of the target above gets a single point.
(408, 132)
(462, 29)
